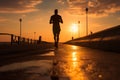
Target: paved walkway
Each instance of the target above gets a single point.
(65, 63)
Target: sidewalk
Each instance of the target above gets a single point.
(34, 66)
(65, 63)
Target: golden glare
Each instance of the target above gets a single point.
(74, 28)
(74, 47)
(74, 57)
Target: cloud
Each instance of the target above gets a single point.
(118, 18)
(61, 1)
(18, 6)
(97, 7)
(3, 19)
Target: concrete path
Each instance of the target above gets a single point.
(68, 62)
(80, 63)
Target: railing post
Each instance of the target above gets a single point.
(19, 39)
(12, 40)
(24, 40)
(30, 42)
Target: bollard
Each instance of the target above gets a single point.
(72, 38)
(40, 38)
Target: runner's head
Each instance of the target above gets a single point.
(56, 11)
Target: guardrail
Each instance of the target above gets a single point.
(108, 39)
(21, 40)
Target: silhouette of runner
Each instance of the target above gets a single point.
(56, 20)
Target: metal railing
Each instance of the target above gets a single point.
(21, 40)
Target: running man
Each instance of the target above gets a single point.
(56, 20)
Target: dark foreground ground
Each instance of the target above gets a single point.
(68, 62)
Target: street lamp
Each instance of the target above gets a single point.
(20, 27)
(78, 28)
(34, 35)
(86, 21)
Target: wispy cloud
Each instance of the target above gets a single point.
(3, 19)
(18, 6)
(97, 7)
(61, 1)
(119, 18)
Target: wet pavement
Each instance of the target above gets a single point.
(68, 62)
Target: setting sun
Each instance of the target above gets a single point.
(35, 17)
(74, 28)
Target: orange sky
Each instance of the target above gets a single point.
(35, 16)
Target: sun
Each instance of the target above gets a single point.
(74, 28)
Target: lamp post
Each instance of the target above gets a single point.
(34, 35)
(78, 28)
(86, 21)
(20, 27)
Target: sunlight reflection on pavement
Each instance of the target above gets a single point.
(67, 63)
(81, 63)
